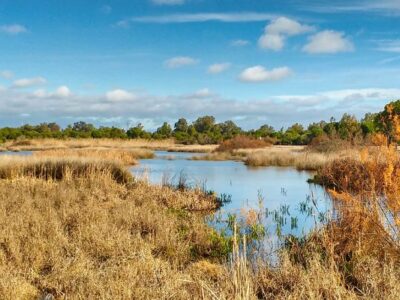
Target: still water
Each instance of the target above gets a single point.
(289, 203)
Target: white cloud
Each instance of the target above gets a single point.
(203, 93)
(200, 17)
(168, 2)
(240, 43)
(119, 95)
(180, 61)
(63, 91)
(28, 82)
(276, 32)
(7, 74)
(328, 41)
(60, 92)
(13, 29)
(218, 68)
(41, 93)
(276, 110)
(260, 74)
(384, 7)
(271, 41)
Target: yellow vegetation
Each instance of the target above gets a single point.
(50, 144)
(82, 228)
(126, 157)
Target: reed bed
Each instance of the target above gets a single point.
(51, 144)
(126, 157)
(298, 158)
(61, 168)
(280, 156)
(85, 235)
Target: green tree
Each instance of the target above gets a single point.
(204, 124)
(181, 125)
(165, 131)
(349, 128)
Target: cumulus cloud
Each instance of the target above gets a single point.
(328, 41)
(28, 82)
(168, 2)
(260, 74)
(119, 95)
(218, 68)
(180, 61)
(13, 29)
(278, 30)
(63, 91)
(60, 92)
(276, 110)
(6, 74)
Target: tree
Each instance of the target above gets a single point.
(204, 124)
(82, 127)
(388, 121)
(181, 125)
(165, 131)
(265, 131)
(229, 129)
(138, 132)
(349, 128)
(368, 124)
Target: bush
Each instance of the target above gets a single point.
(243, 142)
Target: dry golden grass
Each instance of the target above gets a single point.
(90, 237)
(51, 144)
(86, 235)
(242, 142)
(295, 157)
(280, 156)
(126, 157)
(12, 167)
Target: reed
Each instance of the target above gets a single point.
(51, 144)
(126, 157)
(59, 169)
(70, 229)
(292, 157)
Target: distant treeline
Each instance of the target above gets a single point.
(205, 130)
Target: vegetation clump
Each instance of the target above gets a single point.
(59, 169)
(242, 142)
(126, 157)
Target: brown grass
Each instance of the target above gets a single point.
(294, 157)
(59, 169)
(126, 157)
(51, 144)
(242, 142)
(86, 235)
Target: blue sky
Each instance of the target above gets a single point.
(252, 61)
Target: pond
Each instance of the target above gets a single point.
(290, 204)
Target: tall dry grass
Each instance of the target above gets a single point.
(126, 157)
(51, 144)
(295, 157)
(86, 235)
(12, 167)
(367, 198)
(91, 237)
(243, 142)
